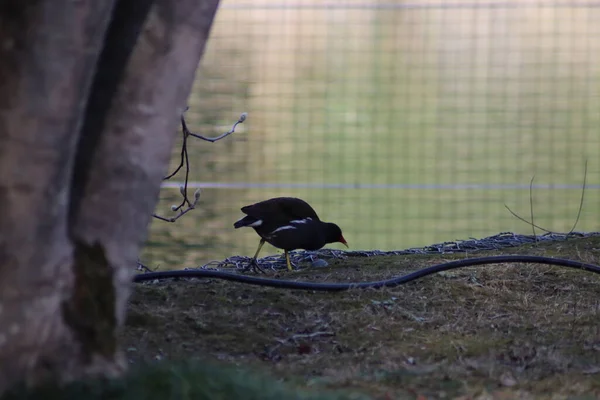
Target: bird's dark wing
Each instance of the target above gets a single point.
(285, 208)
(297, 208)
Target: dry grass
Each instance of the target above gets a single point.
(504, 331)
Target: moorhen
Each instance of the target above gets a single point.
(288, 223)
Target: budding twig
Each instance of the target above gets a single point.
(212, 140)
(182, 211)
(186, 205)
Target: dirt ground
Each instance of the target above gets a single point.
(499, 331)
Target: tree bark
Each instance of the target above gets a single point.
(90, 96)
(47, 54)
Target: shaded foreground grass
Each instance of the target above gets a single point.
(184, 380)
(501, 331)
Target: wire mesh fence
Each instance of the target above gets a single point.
(406, 123)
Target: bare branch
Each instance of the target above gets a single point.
(183, 147)
(183, 156)
(182, 212)
(241, 120)
(185, 160)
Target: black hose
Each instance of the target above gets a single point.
(337, 287)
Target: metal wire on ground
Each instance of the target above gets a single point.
(502, 240)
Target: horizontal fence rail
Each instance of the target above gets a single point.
(412, 6)
(258, 185)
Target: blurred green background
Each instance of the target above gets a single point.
(407, 123)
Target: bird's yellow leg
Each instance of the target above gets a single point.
(254, 262)
(260, 245)
(287, 260)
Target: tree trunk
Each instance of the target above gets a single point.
(90, 95)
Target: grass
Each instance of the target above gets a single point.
(179, 381)
(433, 96)
(503, 331)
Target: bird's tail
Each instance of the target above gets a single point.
(247, 221)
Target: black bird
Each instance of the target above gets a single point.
(288, 223)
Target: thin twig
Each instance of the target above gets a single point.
(527, 222)
(581, 200)
(183, 189)
(313, 335)
(183, 150)
(532, 223)
(531, 206)
(183, 156)
(186, 205)
(182, 212)
(212, 140)
(142, 267)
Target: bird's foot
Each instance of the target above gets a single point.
(254, 266)
(291, 266)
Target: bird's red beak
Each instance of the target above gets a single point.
(342, 240)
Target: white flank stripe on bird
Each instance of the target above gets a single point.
(255, 223)
(301, 221)
(282, 228)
